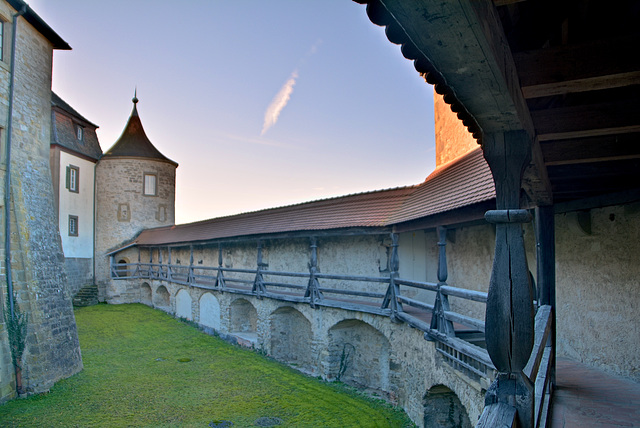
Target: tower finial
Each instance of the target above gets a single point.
(135, 96)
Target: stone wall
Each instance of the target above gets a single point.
(452, 137)
(79, 273)
(389, 360)
(52, 348)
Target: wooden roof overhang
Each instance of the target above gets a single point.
(565, 72)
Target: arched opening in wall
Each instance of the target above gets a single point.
(145, 294)
(442, 408)
(291, 338)
(359, 355)
(243, 321)
(122, 270)
(210, 311)
(183, 304)
(161, 299)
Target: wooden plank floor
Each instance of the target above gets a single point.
(586, 397)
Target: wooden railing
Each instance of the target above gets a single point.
(386, 295)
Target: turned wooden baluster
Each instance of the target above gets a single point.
(313, 288)
(509, 320)
(438, 320)
(220, 276)
(258, 282)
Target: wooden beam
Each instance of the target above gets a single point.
(590, 120)
(597, 65)
(582, 85)
(591, 149)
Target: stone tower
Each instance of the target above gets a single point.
(135, 190)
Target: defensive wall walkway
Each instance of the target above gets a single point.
(373, 339)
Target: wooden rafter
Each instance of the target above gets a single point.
(604, 64)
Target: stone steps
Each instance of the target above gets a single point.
(87, 296)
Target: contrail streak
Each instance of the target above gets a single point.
(279, 102)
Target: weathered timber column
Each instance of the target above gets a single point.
(258, 282)
(393, 291)
(313, 288)
(190, 277)
(509, 320)
(438, 320)
(220, 275)
(114, 274)
(160, 268)
(546, 272)
(169, 272)
(137, 272)
(151, 262)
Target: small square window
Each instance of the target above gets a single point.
(73, 179)
(150, 185)
(80, 133)
(73, 225)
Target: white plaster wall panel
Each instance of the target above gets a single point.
(210, 311)
(79, 204)
(183, 304)
(598, 290)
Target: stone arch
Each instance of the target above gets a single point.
(210, 311)
(291, 338)
(161, 298)
(145, 294)
(183, 304)
(442, 408)
(243, 317)
(359, 354)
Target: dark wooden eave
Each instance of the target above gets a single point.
(566, 72)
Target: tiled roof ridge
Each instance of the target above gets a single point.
(57, 101)
(447, 166)
(299, 204)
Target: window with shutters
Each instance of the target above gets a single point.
(73, 179)
(150, 185)
(73, 225)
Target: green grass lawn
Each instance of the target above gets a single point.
(133, 377)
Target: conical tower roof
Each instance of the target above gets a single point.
(134, 143)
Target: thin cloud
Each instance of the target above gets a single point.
(279, 102)
(281, 99)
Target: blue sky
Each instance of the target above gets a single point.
(358, 117)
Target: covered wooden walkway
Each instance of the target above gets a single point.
(587, 398)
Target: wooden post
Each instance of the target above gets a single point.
(136, 274)
(438, 321)
(160, 268)
(150, 262)
(258, 282)
(509, 320)
(220, 277)
(313, 288)
(546, 273)
(114, 274)
(190, 277)
(393, 291)
(169, 272)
